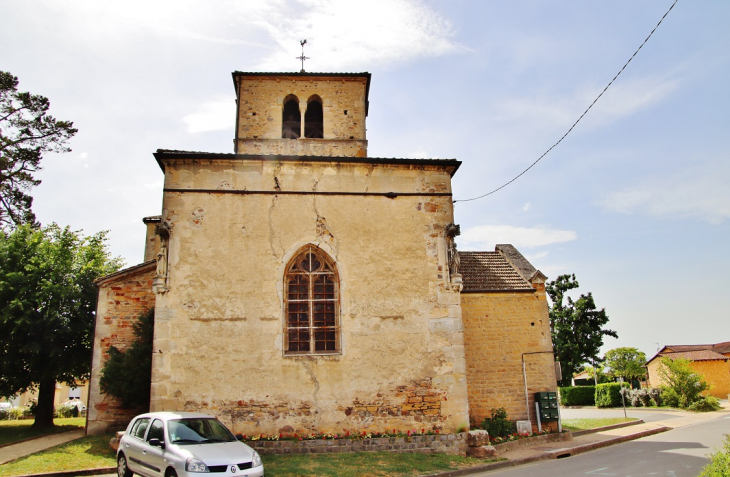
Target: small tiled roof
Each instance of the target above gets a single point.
(141, 267)
(680, 348)
(721, 348)
(697, 355)
(490, 271)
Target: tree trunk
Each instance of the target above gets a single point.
(45, 408)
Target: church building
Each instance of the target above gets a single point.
(299, 285)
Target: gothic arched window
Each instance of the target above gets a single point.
(311, 304)
(291, 120)
(314, 118)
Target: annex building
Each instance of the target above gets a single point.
(300, 285)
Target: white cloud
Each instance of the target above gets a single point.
(215, 115)
(485, 237)
(624, 98)
(83, 155)
(701, 192)
(537, 256)
(344, 34)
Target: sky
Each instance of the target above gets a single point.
(635, 201)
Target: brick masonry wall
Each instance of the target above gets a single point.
(498, 329)
(454, 444)
(121, 301)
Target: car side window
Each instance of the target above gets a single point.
(156, 431)
(140, 427)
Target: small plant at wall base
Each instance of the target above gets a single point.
(127, 374)
(498, 425)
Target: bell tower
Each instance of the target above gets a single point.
(301, 114)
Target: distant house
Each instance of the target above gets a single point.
(710, 360)
(584, 378)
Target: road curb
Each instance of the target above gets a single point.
(556, 454)
(570, 451)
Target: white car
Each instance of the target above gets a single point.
(183, 444)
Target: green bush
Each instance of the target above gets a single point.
(578, 396)
(29, 408)
(684, 384)
(608, 395)
(719, 465)
(705, 404)
(498, 425)
(66, 410)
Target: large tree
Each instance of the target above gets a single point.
(576, 327)
(627, 363)
(27, 131)
(47, 302)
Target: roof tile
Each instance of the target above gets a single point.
(490, 271)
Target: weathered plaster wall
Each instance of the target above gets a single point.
(716, 374)
(121, 301)
(218, 330)
(498, 329)
(260, 109)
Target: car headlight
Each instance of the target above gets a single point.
(195, 465)
(256, 461)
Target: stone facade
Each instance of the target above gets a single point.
(401, 362)
(123, 297)
(261, 98)
(299, 202)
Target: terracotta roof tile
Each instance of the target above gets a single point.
(722, 348)
(490, 271)
(697, 355)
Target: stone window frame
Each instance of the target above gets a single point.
(311, 304)
(307, 127)
(288, 129)
(314, 129)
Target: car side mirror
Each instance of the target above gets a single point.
(239, 437)
(155, 442)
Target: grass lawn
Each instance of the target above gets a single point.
(94, 452)
(365, 464)
(14, 431)
(584, 424)
(85, 453)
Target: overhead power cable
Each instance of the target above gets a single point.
(578, 120)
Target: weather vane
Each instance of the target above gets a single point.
(302, 58)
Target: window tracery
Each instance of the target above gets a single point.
(311, 304)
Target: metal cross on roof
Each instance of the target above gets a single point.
(302, 58)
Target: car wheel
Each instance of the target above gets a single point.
(170, 473)
(122, 469)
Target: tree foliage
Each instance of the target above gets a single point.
(576, 326)
(627, 363)
(127, 374)
(47, 301)
(27, 131)
(683, 385)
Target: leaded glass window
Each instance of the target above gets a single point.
(311, 304)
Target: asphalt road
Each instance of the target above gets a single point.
(677, 453)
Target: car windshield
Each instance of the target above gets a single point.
(198, 431)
